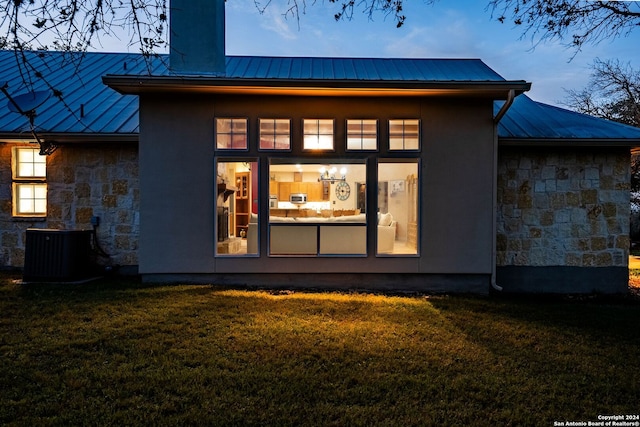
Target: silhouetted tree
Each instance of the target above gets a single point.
(613, 93)
(575, 22)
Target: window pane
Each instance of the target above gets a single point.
(398, 220)
(354, 144)
(25, 206)
(267, 142)
(238, 126)
(40, 170)
(40, 206)
(25, 191)
(238, 141)
(369, 126)
(283, 142)
(236, 216)
(369, 143)
(325, 127)
(396, 143)
(223, 141)
(231, 133)
(325, 217)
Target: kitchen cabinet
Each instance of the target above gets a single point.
(273, 188)
(315, 191)
(284, 191)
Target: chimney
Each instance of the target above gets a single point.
(196, 41)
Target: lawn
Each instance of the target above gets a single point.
(118, 352)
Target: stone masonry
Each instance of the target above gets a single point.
(563, 207)
(83, 181)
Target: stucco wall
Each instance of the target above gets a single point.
(83, 181)
(177, 182)
(563, 207)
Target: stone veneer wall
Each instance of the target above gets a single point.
(83, 181)
(563, 207)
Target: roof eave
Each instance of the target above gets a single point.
(68, 138)
(329, 87)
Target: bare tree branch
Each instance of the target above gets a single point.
(575, 22)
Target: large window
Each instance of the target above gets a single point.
(231, 133)
(398, 219)
(29, 182)
(314, 209)
(318, 134)
(404, 134)
(362, 134)
(275, 134)
(236, 222)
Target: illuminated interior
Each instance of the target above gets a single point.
(317, 209)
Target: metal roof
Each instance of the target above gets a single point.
(108, 113)
(534, 121)
(86, 105)
(371, 69)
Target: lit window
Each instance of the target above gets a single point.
(236, 214)
(362, 134)
(231, 134)
(317, 209)
(318, 134)
(275, 134)
(29, 182)
(404, 134)
(398, 198)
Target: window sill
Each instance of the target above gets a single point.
(29, 218)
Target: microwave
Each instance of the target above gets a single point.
(298, 198)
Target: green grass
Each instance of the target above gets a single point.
(122, 353)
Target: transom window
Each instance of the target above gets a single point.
(362, 134)
(231, 133)
(275, 134)
(318, 134)
(404, 134)
(29, 182)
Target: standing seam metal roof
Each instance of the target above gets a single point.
(531, 120)
(106, 112)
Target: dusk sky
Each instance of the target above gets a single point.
(448, 29)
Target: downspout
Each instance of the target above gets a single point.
(510, 97)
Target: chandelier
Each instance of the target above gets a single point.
(330, 174)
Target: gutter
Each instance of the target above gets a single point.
(510, 97)
(494, 251)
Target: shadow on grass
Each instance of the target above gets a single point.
(119, 352)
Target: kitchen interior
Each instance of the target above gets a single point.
(304, 190)
(311, 188)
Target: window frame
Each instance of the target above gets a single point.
(417, 213)
(231, 134)
(275, 135)
(404, 135)
(361, 135)
(318, 135)
(20, 181)
(233, 207)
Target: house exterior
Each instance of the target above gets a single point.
(388, 174)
